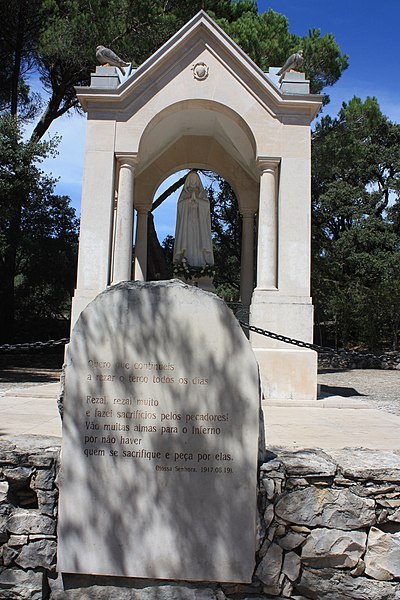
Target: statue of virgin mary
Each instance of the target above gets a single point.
(193, 225)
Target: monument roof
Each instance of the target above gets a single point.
(202, 32)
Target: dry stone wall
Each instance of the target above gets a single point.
(328, 528)
(358, 360)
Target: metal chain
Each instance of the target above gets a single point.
(285, 339)
(270, 334)
(34, 345)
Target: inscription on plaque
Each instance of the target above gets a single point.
(160, 438)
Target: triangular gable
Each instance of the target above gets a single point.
(200, 28)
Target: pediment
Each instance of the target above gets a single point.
(200, 37)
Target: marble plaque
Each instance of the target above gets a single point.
(160, 438)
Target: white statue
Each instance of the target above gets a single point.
(193, 225)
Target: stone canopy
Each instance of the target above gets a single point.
(199, 102)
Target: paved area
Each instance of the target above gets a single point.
(355, 409)
(30, 410)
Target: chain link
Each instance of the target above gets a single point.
(285, 339)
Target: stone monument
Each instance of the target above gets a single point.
(160, 438)
(193, 252)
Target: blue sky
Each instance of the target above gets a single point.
(367, 31)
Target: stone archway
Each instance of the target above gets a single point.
(198, 135)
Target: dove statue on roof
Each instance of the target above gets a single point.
(293, 63)
(108, 58)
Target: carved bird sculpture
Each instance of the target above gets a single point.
(108, 58)
(295, 61)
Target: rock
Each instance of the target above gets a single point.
(269, 515)
(343, 481)
(383, 489)
(9, 554)
(18, 476)
(382, 517)
(17, 540)
(333, 548)
(335, 509)
(16, 584)
(264, 547)
(389, 503)
(43, 480)
(291, 566)
(41, 460)
(272, 465)
(382, 558)
(358, 569)
(3, 491)
(37, 554)
(364, 464)
(291, 540)
(329, 584)
(9, 458)
(269, 487)
(395, 516)
(3, 530)
(28, 521)
(155, 592)
(287, 588)
(294, 482)
(305, 462)
(47, 502)
(260, 531)
(300, 529)
(269, 569)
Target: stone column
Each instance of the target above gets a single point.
(247, 257)
(141, 243)
(123, 240)
(267, 251)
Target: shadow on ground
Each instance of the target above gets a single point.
(29, 375)
(333, 390)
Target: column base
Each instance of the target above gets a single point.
(287, 374)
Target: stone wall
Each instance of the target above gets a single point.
(358, 360)
(28, 518)
(332, 525)
(329, 529)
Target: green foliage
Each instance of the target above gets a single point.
(356, 244)
(323, 61)
(266, 39)
(226, 228)
(38, 233)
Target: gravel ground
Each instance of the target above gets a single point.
(378, 388)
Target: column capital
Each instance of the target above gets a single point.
(267, 163)
(142, 209)
(247, 213)
(127, 158)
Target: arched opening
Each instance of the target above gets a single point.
(226, 230)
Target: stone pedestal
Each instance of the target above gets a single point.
(287, 371)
